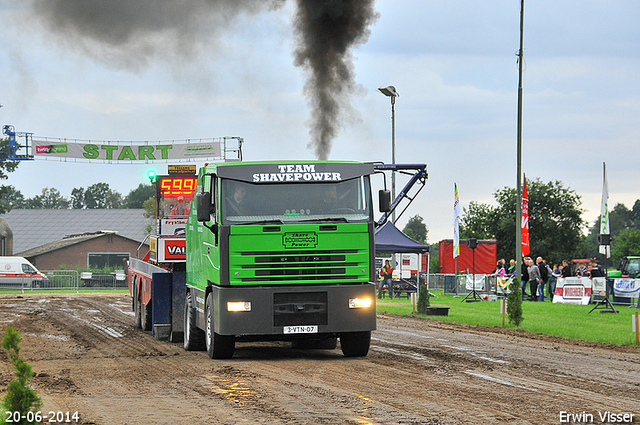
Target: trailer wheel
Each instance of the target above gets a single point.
(355, 344)
(193, 337)
(145, 315)
(218, 346)
(136, 306)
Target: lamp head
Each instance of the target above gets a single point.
(388, 91)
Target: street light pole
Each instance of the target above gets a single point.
(518, 222)
(391, 92)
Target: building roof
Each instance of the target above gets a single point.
(65, 242)
(36, 227)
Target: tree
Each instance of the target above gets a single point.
(99, 195)
(514, 303)
(10, 198)
(77, 198)
(626, 243)
(424, 300)
(20, 396)
(416, 229)
(50, 198)
(555, 221)
(620, 219)
(137, 196)
(5, 167)
(151, 211)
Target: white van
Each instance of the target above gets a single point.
(19, 272)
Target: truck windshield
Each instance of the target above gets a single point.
(343, 201)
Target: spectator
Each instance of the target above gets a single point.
(500, 270)
(512, 268)
(524, 273)
(582, 270)
(534, 277)
(545, 272)
(556, 272)
(386, 273)
(595, 270)
(566, 270)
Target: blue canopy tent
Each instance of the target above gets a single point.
(390, 239)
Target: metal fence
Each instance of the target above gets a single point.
(462, 284)
(68, 279)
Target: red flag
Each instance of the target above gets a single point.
(525, 219)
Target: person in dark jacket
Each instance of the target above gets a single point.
(524, 274)
(566, 270)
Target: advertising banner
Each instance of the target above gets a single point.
(629, 288)
(573, 290)
(128, 152)
(479, 283)
(503, 284)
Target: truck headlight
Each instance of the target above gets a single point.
(239, 306)
(360, 302)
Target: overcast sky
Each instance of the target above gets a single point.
(214, 71)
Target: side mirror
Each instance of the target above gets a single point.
(384, 200)
(203, 204)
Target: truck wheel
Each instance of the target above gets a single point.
(136, 307)
(193, 337)
(355, 344)
(145, 316)
(218, 346)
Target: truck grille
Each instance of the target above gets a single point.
(287, 266)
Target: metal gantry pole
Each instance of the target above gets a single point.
(519, 153)
(393, 153)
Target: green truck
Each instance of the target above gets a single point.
(629, 267)
(281, 251)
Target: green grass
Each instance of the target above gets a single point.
(564, 320)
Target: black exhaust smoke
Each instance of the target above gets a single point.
(130, 34)
(326, 30)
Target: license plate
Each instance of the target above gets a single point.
(301, 329)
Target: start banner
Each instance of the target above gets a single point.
(128, 152)
(573, 290)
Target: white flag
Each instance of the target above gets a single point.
(604, 211)
(456, 227)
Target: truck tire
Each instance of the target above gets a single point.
(136, 306)
(355, 344)
(218, 346)
(193, 337)
(145, 315)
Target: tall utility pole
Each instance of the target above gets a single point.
(391, 92)
(519, 180)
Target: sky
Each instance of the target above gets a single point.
(176, 70)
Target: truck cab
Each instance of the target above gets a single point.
(629, 267)
(281, 251)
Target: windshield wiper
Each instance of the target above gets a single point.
(326, 219)
(271, 221)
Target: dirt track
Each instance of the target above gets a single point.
(89, 358)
